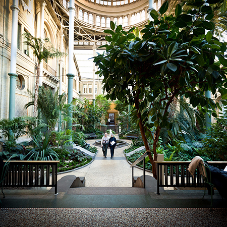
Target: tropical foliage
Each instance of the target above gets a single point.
(175, 57)
(43, 50)
(50, 104)
(88, 114)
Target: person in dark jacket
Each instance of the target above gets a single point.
(112, 144)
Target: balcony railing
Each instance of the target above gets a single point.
(49, 69)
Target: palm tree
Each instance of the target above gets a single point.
(50, 104)
(42, 49)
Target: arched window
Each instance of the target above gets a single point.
(120, 20)
(133, 19)
(80, 14)
(103, 22)
(143, 15)
(98, 21)
(138, 18)
(85, 17)
(107, 22)
(45, 34)
(20, 82)
(125, 21)
(90, 18)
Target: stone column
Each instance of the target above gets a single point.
(129, 19)
(12, 73)
(94, 19)
(70, 74)
(41, 35)
(149, 9)
(94, 54)
(146, 14)
(207, 117)
(61, 60)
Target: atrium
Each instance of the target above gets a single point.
(59, 173)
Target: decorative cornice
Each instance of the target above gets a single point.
(70, 75)
(12, 74)
(14, 7)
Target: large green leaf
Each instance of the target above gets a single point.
(209, 16)
(172, 67)
(208, 25)
(180, 24)
(154, 14)
(185, 17)
(164, 7)
(209, 36)
(172, 48)
(178, 10)
(161, 62)
(108, 31)
(196, 50)
(199, 31)
(222, 60)
(108, 38)
(206, 9)
(112, 25)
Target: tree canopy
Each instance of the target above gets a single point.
(178, 55)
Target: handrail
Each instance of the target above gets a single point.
(140, 159)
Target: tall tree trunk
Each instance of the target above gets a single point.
(144, 138)
(36, 90)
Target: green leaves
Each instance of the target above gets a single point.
(172, 67)
(108, 38)
(172, 49)
(165, 63)
(154, 14)
(112, 25)
(209, 36)
(222, 60)
(178, 10)
(164, 7)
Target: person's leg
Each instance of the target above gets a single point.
(105, 148)
(112, 151)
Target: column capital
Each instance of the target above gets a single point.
(13, 74)
(70, 75)
(71, 8)
(42, 1)
(71, 5)
(14, 7)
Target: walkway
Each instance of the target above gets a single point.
(107, 172)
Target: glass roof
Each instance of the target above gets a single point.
(112, 2)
